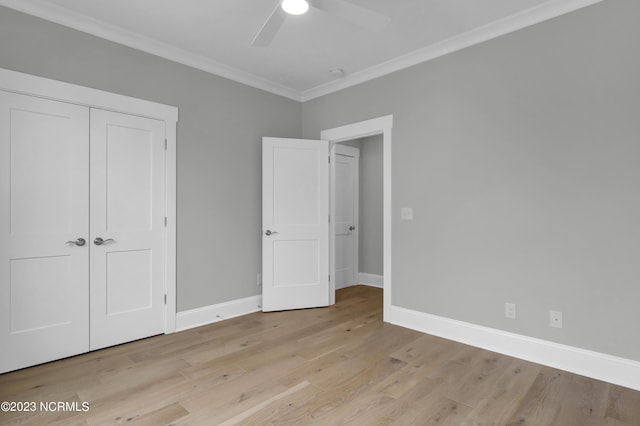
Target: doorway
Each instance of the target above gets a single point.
(378, 126)
(298, 242)
(356, 190)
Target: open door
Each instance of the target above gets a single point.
(295, 224)
(343, 228)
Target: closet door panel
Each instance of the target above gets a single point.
(44, 289)
(127, 213)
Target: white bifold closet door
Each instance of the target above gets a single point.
(81, 229)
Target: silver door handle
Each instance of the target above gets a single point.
(99, 241)
(268, 232)
(79, 242)
(351, 228)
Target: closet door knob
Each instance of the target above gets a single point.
(99, 241)
(269, 232)
(79, 242)
(351, 228)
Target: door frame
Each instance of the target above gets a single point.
(26, 84)
(354, 153)
(375, 126)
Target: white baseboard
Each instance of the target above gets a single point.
(370, 279)
(214, 313)
(612, 369)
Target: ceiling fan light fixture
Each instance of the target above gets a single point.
(295, 7)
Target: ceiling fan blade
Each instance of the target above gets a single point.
(364, 18)
(270, 27)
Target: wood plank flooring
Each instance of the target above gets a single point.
(329, 366)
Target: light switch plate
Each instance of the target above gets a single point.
(406, 213)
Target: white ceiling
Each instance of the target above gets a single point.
(215, 35)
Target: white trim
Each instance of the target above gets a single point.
(31, 85)
(362, 129)
(371, 280)
(214, 313)
(332, 225)
(83, 23)
(346, 150)
(375, 126)
(171, 213)
(60, 15)
(612, 369)
(506, 25)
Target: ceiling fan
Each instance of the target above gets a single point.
(341, 9)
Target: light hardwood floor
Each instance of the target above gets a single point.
(337, 365)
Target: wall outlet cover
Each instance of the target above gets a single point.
(406, 213)
(510, 310)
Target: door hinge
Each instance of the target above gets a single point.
(165, 143)
(329, 277)
(165, 221)
(165, 299)
(329, 159)
(329, 218)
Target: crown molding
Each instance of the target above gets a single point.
(526, 18)
(545, 11)
(76, 21)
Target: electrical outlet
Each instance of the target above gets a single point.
(259, 280)
(406, 213)
(555, 319)
(510, 310)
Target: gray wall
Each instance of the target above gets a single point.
(371, 226)
(519, 156)
(521, 159)
(219, 145)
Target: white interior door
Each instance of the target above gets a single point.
(295, 219)
(127, 213)
(345, 227)
(44, 169)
